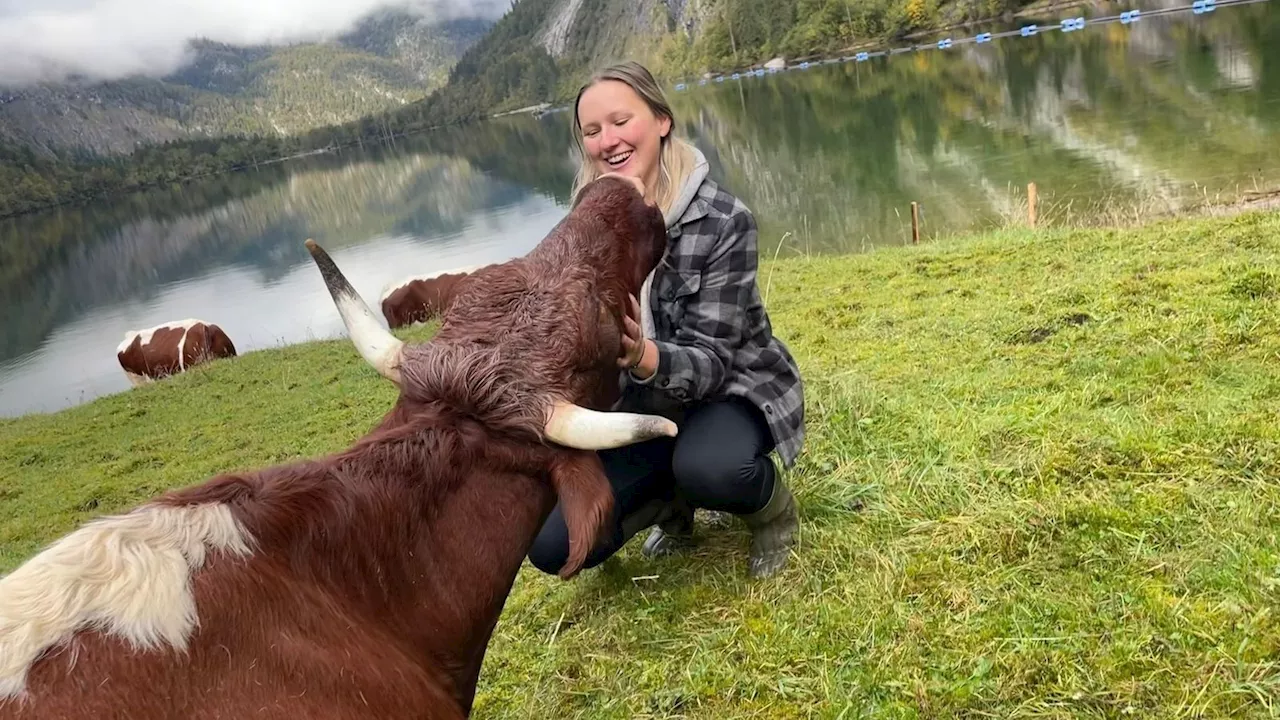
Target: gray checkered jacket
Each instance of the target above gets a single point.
(702, 309)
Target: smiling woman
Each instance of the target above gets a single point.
(698, 347)
(618, 130)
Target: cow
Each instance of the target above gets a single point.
(419, 298)
(171, 348)
(368, 582)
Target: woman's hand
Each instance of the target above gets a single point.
(639, 354)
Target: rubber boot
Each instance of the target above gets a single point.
(673, 532)
(773, 529)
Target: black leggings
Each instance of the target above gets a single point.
(718, 461)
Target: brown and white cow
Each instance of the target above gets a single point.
(366, 583)
(419, 298)
(171, 348)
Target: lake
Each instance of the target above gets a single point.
(1107, 120)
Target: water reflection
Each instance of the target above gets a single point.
(1148, 115)
(242, 264)
(1152, 115)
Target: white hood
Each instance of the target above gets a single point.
(672, 217)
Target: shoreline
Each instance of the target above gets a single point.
(552, 105)
(1115, 221)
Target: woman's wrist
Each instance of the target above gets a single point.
(648, 363)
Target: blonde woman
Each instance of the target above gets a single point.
(699, 350)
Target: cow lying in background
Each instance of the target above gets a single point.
(419, 298)
(368, 583)
(171, 348)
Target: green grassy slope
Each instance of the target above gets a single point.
(1040, 482)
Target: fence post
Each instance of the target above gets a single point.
(1031, 204)
(915, 223)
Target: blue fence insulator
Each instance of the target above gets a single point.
(860, 57)
(1030, 30)
(1071, 24)
(759, 72)
(984, 37)
(1201, 7)
(804, 65)
(735, 76)
(679, 87)
(944, 44)
(1130, 16)
(703, 81)
(719, 78)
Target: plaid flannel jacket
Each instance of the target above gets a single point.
(713, 335)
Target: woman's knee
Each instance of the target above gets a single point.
(704, 466)
(550, 549)
(720, 462)
(716, 477)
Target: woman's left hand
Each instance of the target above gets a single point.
(639, 354)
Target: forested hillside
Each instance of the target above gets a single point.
(539, 51)
(735, 33)
(390, 59)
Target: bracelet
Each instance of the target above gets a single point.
(643, 346)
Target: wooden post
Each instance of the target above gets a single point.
(1031, 204)
(915, 223)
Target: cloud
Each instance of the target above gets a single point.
(49, 40)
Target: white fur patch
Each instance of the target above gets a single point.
(135, 379)
(182, 349)
(128, 575)
(146, 334)
(405, 281)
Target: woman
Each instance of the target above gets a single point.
(699, 347)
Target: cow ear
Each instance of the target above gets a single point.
(586, 501)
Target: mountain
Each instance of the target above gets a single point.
(366, 86)
(542, 49)
(390, 59)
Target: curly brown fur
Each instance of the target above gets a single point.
(375, 577)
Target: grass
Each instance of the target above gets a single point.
(1041, 481)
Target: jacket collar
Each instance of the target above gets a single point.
(689, 204)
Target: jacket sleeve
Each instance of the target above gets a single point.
(694, 363)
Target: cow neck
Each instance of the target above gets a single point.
(468, 560)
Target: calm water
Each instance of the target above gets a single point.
(830, 158)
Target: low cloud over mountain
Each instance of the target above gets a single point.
(53, 40)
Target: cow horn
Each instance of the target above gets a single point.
(376, 344)
(578, 427)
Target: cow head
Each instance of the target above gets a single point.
(529, 347)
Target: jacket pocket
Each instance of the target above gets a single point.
(679, 290)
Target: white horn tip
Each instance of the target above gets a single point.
(659, 426)
(584, 429)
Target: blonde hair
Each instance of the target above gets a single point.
(675, 156)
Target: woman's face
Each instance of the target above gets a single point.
(619, 131)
